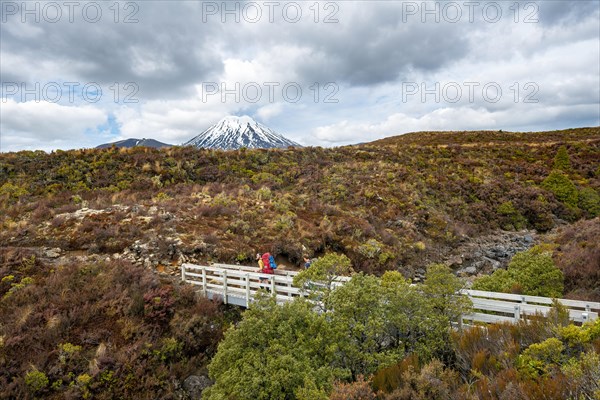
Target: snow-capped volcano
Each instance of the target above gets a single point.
(233, 132)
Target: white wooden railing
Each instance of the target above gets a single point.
(512, 307)
(235, 284)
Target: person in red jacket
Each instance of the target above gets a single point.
(264, 266)
(268, 268)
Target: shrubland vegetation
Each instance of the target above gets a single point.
(99, 330)
(397, 204)
(381, 338)
(295, 351)
(105, 328)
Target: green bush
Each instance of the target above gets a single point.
(532, 272)
(36, 380)
(513, 217)
(371, 248)
(561, 160)
(589, 200)
(263, 194)
(12, 191)
(323, 272)
(562, 187)
(161, 196)
(539, 358)
(276, 352)
(292, 351)
(66, 351)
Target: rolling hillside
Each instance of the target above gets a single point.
(399, 203)
(91, 241)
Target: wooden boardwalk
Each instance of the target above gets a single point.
(238, 285)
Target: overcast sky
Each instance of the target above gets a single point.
(78, 74)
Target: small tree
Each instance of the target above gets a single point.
(561, 160)
(276, 352)
(562, 187)
(323, 274)
(536, 272)
(359, 309)
(589, 200)
(443, 289)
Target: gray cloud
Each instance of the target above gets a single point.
(369, 53)
(164, 53)
(372, 43)
(383, 55)
(557, 12)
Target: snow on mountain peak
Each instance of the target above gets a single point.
(242, 120)
(233, 132)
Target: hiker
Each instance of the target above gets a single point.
(268, 263)
(261, 267)
(307, 262)
(264, 265)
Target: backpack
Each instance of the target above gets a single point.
(272, 262)
(268, 270)
(266, 260)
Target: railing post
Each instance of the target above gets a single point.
(273, 292)
(587, 308)
(517, 313)
(290, 280)
(204, 281)
(523, 300)
(247, 290)
(584, 317)
(224, 286)
(183, 272)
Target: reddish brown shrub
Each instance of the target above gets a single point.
(158, 306)
(358, 390)
(578, 256)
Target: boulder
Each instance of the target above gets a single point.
(470, 270)
(194, 385)
(53, 253)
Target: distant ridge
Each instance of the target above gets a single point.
(486, 137)
(128, 143)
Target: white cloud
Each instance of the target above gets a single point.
(166, 122)
(269, 111)
(346, 132)
(452, 119)
(45, 125)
